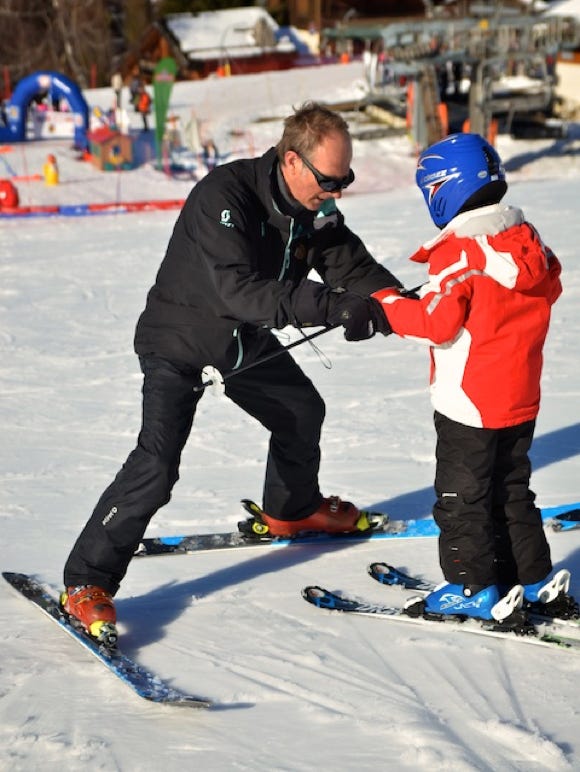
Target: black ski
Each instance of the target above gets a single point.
(143, 682)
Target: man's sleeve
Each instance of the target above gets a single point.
(344, 261)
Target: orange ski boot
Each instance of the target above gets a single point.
(332, 516)
(93, 608)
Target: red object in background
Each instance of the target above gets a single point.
(9, 198)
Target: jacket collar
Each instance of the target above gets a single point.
(274, 192)
(484, 221)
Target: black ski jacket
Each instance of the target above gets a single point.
(235, 265)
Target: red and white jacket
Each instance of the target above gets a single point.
(485, 312)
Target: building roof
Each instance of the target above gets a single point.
(239, 32)
(102, 134)
(564, 8)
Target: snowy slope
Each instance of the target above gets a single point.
(297, 689)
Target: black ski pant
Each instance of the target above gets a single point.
(276, 393)
(491, 530)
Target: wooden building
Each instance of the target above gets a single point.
(227, 42)
(110, 150)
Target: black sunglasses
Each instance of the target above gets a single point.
(328, 184)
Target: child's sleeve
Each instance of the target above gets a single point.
(435, 318)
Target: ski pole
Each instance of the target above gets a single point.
(266, 358)
(219, 378)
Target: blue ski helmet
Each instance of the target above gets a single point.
(461, 172)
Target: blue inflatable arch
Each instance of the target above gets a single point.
(58, 87)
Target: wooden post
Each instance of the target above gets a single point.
(7, 89)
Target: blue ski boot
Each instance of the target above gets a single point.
(459, 601)
(550, 597)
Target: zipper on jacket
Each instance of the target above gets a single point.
(293, 235)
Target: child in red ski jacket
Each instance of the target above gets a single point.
(485, 311)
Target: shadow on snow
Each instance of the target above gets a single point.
(550, 448)
(169, 601)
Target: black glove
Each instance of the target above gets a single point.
(360, 317)
(380, 318)
(410, 293)
(310, 304)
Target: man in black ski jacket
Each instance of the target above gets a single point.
(236, 267)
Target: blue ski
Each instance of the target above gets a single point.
(566, 518)
(562, 518)
(539, 635)
(142, 681)
(394, 577)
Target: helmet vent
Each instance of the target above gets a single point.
(493, 166)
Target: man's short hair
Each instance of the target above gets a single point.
(307, 128)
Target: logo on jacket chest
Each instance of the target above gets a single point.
(225, 219)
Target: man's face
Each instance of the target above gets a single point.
(331, 158)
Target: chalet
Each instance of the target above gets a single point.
(227, 42)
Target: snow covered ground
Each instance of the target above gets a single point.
(296, 688)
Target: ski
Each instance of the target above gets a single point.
(185, 545)
(143, 682)
(253, 533)
(394, 577)
(562, 518)
(539, 635)
(565, 519)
